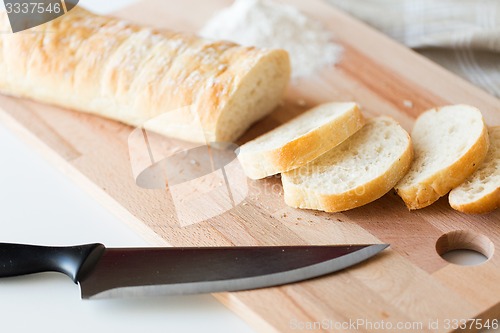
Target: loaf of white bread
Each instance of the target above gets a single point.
(197, 90)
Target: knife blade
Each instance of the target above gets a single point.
(110, 272)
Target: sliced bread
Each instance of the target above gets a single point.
(450, 143)
(300, 140)
(480, 193)
(358, 171)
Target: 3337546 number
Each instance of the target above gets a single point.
(473, 323)
(33, 8)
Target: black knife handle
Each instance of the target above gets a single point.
(74, 261)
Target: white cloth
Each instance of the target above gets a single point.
(461, 35)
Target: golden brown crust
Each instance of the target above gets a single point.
(439, 184)
(130, 73)
(488, 203)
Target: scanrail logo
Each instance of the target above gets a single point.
(24, 15)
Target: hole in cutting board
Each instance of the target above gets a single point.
(463, 247)
(464, 257)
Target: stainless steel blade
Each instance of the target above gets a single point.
(176, 271)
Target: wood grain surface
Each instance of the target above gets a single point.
(408, 283)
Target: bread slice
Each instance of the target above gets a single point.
(450, 143)
(300, 140)
(358, 171)
(194, 89)
(480, 193)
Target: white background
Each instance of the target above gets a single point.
(40, 205)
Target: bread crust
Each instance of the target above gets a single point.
(123, 71)
(485, 203)
(440, 183)
(299, 197)
(304, 149)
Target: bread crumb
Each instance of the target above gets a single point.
(301, 102)
(407, 103)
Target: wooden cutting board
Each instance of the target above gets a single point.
(408, 283)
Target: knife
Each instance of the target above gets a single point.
(110, 272)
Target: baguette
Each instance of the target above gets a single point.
(300, 140)
(450, 143)
(358, 171)
(112, 68)
(480, 193)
